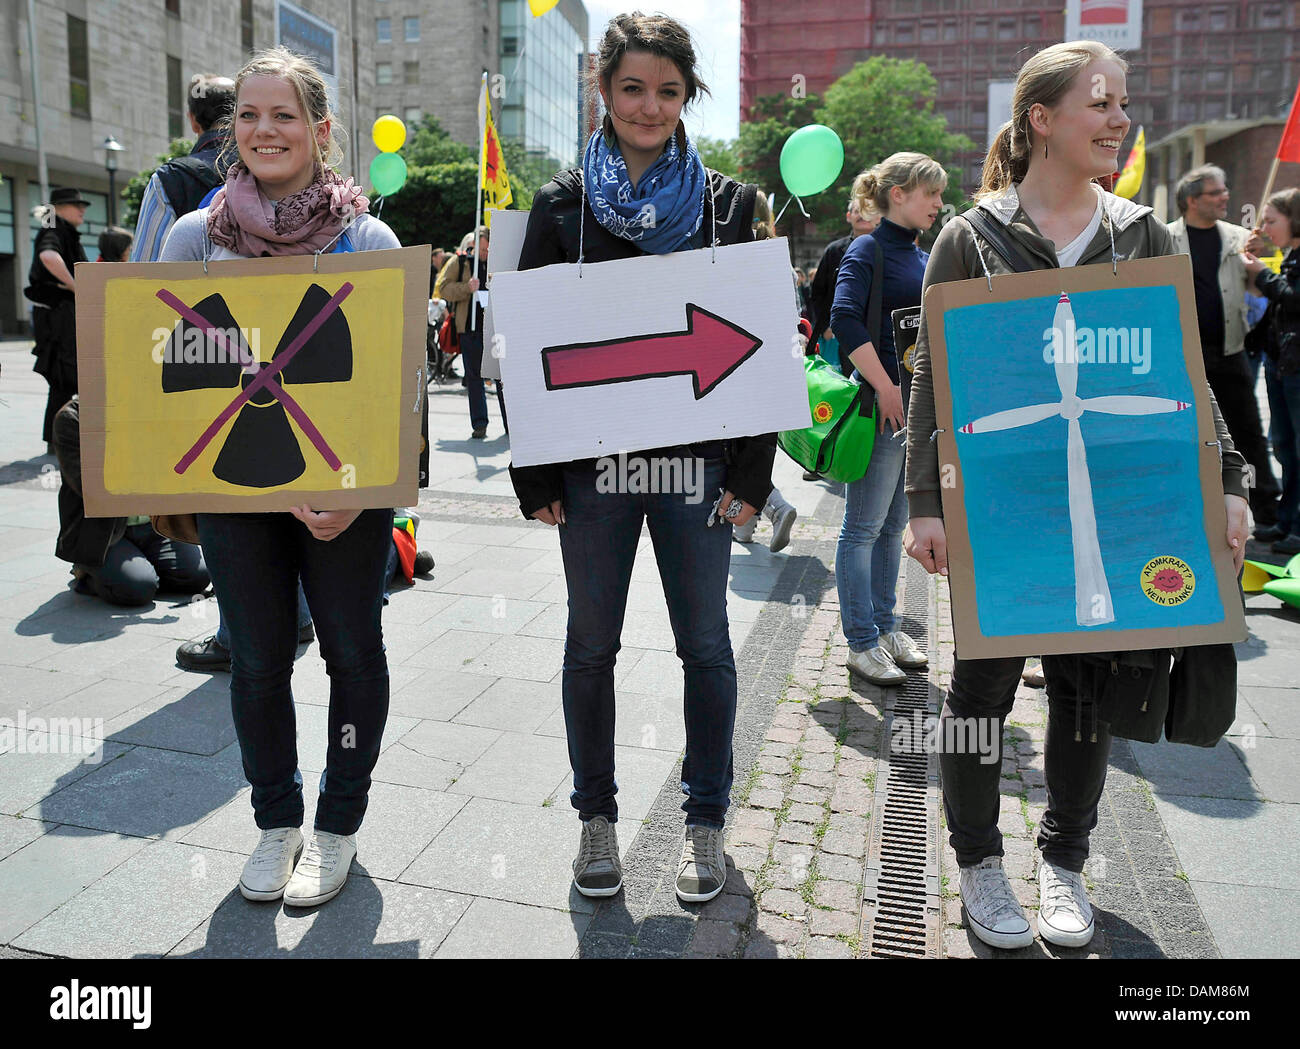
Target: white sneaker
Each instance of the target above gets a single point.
(1064, 913)
(702, 872)
(991, 907)
(323, 870)
(876, 665)
(904, 651)
(267, 871)
(782, 515)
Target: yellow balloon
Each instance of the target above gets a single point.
(388, 133)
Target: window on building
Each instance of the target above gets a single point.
(980, 29)
(246, 25)
(384, 30)
(174, 7)
(411, 72)
(1006, 28)
(1189, 19)
(950, 30)
(904, 33)
(1216, 78)
(510, 45)
(1269, 17)
(384, 73)
(1218, 20)
(411, 115)
(929, 32)
(175, 99)
(411, 30)
(7, 217)
(78, 68)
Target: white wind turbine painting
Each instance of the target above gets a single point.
(1093, 605)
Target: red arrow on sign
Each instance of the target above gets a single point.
(708, 351)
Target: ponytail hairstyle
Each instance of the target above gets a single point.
(1286, 202)
(764, 226)
(907, 171)
(656, 35)
(313, 98)
(1043, 80)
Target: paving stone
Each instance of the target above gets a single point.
(145, 906)
(797, 833)
(762, 946)
(834, 923)
(818, 762)
(16, 833)
(841, 895)
(497, 929)
(26, 778)
(843, 843)
(747, 857)
(714, 939)
(827, 947)
(728, 908)
(806, 795)
(784, 735)
(52, 869)
(839, 868)
(777, 930)
(600, 945)
(759, 837)
(816, 778)
(851, 797)
(766, 799)
(768, 782)
(782, 901)
(519, 767)
(804, 813)
(761, 818)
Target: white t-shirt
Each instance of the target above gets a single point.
(1069, 255)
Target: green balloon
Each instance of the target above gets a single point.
(811, 159)
(387, 173)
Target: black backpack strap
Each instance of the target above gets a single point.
(996, 238)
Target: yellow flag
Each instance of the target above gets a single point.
(492, 165)
(1130, 179)
(540, 7)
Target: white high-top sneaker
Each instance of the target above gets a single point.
(1064, 913)
(991, 906)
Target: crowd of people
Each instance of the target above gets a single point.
(262, 181)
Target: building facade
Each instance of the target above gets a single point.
(121, 68)
(1198, 61)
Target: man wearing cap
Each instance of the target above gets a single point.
(52, 289)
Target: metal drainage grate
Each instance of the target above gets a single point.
(901, 915)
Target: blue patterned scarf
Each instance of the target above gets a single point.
(667, 206)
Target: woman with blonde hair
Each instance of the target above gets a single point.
(282, 197)
(906, 190)
(1067, 124)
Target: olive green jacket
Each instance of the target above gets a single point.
(1138, 235)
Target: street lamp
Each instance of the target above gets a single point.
(112, 147)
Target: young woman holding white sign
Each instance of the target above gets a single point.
(642, 157)
(282, 197)
(1067, 123)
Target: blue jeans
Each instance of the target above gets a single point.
(471, 354)
(871, 545)
(223, 631)
(255, 561)
(598, 543)
(1284, 433)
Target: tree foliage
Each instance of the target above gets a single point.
(719, 154)
(879, 107)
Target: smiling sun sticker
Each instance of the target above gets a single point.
(1167, 580)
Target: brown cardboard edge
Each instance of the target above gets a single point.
(970, 642)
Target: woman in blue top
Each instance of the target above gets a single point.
(906, 189)
(283, 197)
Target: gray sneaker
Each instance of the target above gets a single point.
(703, 868)
(782, 516)
(597, 871)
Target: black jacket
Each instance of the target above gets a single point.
(553, 237)
(1281, 322)
(187, 180)
(42, 285)
(823, 286)
(82, 540)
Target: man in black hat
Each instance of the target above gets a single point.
(52, 289)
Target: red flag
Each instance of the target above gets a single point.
(1289, 147)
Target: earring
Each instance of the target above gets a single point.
(1044, 149)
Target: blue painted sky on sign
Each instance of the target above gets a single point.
(1145, 481)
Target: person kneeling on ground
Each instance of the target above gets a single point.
(120, 559)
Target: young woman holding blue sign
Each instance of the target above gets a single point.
(1039, 201)
(642, 157)
(283, 197)
(907, 190)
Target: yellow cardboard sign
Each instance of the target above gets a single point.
(256, 386)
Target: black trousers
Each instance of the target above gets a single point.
(1075, 770)
(55, 332)
(1233, 384)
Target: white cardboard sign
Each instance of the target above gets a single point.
(508, 229)
(648, 352)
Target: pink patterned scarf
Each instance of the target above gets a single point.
(241, 219)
